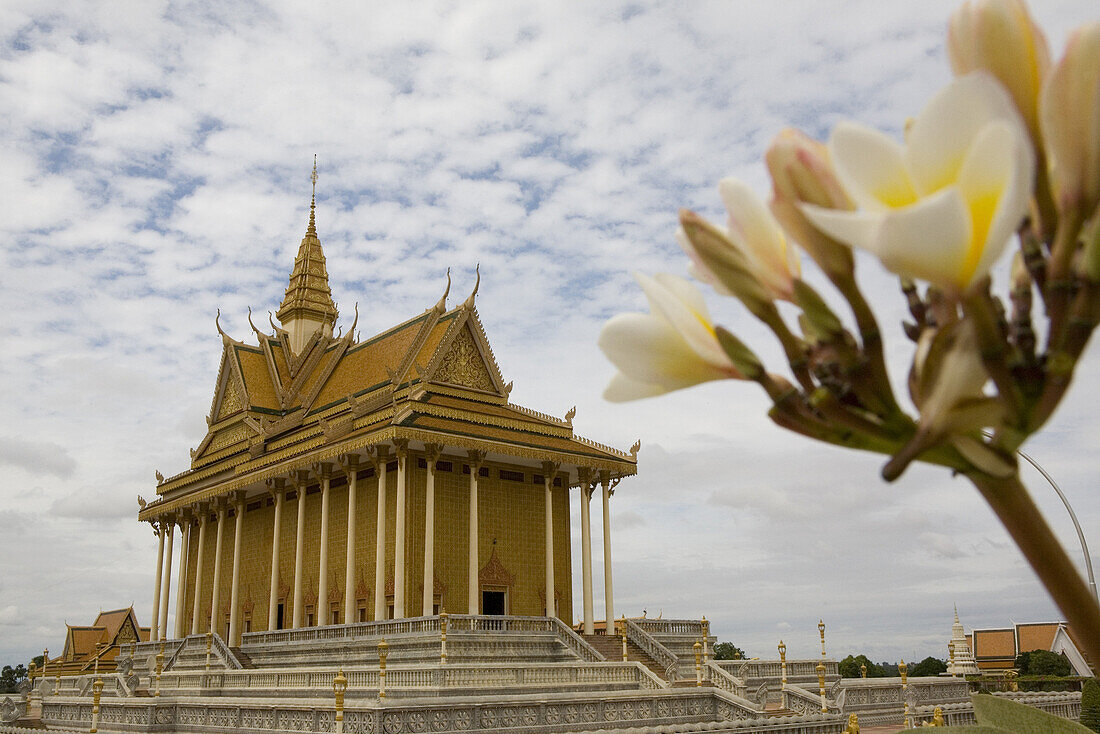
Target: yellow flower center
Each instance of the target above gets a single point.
(982, 208)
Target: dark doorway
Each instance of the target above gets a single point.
(279, 617)
(492, 602)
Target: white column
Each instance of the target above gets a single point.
(154, 623)
(204, 515)
(323, 614)
(349, 572)
(608, 597)
(278, 491)
(181, 583)
(549, 469)
(399, 533)
(586, 553)
(431, 456)
(299, 554)
(380, 541)
(235, 589)
(215, 595)
(474, 605)
(166, 587)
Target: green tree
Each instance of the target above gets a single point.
(11, 677)
(928, 667)
(1044, 662)
(728, 651)
(1023, 662)
(1090, 704)
(850, 667)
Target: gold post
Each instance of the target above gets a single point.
(904, 669)
(443, 617)
(821, 686)
(160, 667)
(383, 650)
(706, 639)
(821, 631)
(783, 665)
(339, 687)
(698, 647)
(862, 671)
(97, 690)
(32, 671)
(622, 631)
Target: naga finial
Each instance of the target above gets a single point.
(441, 306)
(217, 323)
(258, 332)
(354, 322)
(477, 284)
(570, 415)
(634, 449)
(271, 320)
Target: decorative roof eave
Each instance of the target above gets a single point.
(303, 456)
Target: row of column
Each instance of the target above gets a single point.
(350, 465)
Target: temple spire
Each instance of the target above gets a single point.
(307, 306)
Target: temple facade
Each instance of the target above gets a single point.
(344, 480)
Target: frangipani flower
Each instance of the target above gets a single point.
(1070, 116)
(672, 347)
(1000, 37)
(754, 235)
(943, 207)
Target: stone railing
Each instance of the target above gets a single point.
(719, 678)
(379, 628)
(1064, 704)
(661, 655)
(461, 678)
(689, 627)
(541, 713)
(801, 701)
(882, 700)
(575, 642)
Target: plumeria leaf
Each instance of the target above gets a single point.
(1007, 714)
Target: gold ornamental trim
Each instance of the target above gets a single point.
(250, 476)
(531, 426)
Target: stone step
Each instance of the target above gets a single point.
(611, 647)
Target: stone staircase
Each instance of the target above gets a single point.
(611, 647)
(243, 658)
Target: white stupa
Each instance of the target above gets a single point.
(962, 659)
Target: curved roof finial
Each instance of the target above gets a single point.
(258, 332)
(470, 299)
(313, 199)
(274, 328)
(351, 331)
(441, 306)
(219, 326)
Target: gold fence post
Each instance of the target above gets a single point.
(339, 687)
(698, 647)
(821, 686)
(97, 690)
(383, 650)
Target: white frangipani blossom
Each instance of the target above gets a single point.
(672, 347)
(943, 206)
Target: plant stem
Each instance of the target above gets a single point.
(1015, 509)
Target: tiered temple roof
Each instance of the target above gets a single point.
(102, 639)
(431, 379)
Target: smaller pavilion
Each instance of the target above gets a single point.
(96, 646)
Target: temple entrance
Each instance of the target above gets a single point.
(492, 602)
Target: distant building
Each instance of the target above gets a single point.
(996, 649)
(101, 640)
(961, 661)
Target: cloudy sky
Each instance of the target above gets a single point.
(156, 161)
